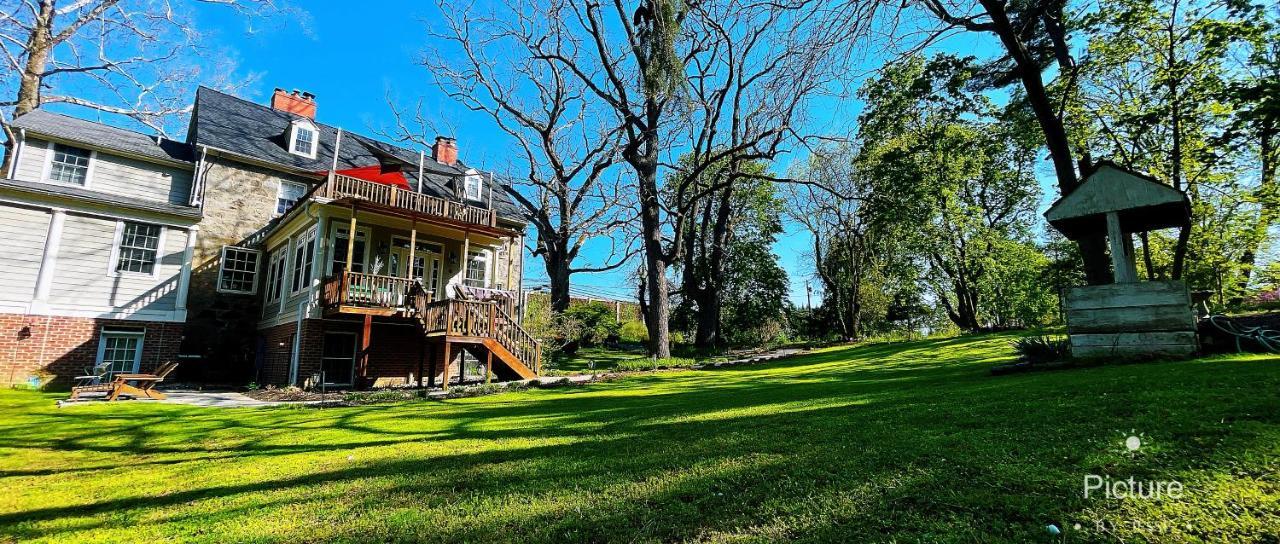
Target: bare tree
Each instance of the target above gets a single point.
(566, 181)
(133, 56)
(627, 61)
(752, 74)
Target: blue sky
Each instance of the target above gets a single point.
(353, 58)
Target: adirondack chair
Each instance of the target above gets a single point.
(119, 385)
(93, 375)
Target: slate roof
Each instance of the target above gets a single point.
(103, 136)
(41, 188)
(258, 131)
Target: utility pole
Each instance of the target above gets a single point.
(808, 296)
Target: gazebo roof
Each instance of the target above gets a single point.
(1142, 202)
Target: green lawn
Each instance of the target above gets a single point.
(595, 358)
(897, 442)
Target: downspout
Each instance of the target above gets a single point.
(302, 305)
(17, 153)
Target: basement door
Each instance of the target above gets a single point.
(338, 359)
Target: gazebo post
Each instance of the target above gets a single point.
(1125, 270)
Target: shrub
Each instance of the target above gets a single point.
(636, 365)
(633, 332)
(597, 323)
(1043, 349)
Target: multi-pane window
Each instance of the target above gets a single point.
(304, 140)
(289, 194)
(275, 273)
(139, 246)
(477, 269)
(69, 165)
(120, 349)
(304, 248)
(239, 271)
(474, 185)
(340, 252)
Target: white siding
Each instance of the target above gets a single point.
(115, 175)
(82, 279)
(22, 234)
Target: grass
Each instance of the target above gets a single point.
(893, 442)
(602, 358)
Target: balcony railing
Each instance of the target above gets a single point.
(340, 186)
(366, 290)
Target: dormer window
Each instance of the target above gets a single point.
(302, 139)
(473, 185)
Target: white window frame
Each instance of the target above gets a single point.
(277, 269)
(335, 247)
(114, 263)
(488, 261)
(298, 242)
(48, 165)
(280, 195)
(293, 138)
(103, 333)
(470, 176)
(257, 269)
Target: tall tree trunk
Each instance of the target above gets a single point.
(39, 44)
(1092, 249)
(659, 316)
(558, 275)
(710, 307)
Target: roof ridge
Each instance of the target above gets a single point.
(323, 124)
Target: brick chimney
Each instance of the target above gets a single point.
(299, 102)
(445, 151)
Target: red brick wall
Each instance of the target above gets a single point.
(61, 347)
(393, 353)
(277, 352)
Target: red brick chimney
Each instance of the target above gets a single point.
(445, 151)
(300, 102)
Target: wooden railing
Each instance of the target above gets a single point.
(339, 186)
(456, 317)
(357, 289)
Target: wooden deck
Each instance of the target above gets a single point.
(452, 321)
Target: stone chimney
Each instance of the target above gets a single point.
(445, 151)
(299, 102)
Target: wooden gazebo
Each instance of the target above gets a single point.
(1127, 318)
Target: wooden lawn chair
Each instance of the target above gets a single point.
(119, 385)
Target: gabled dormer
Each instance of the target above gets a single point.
(473, 185)
(303, 138)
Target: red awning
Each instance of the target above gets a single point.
(377, 175)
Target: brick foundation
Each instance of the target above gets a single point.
(58, 348)
(393, 353)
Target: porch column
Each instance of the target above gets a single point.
(1124, 268)
(351, 239)
(413, 248)
(466, 255)
(365, 340)
(447, 362)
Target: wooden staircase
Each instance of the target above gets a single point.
(479, 324)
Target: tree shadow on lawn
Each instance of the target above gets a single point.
(856, 449)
